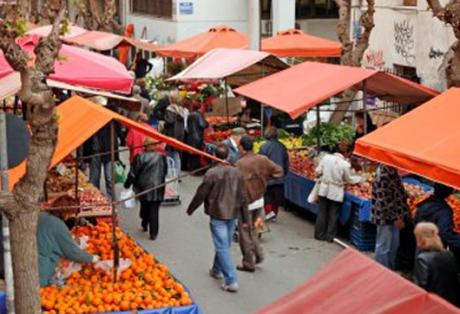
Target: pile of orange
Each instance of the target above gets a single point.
(452, 200)
(146, 284)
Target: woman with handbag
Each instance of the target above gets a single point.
(334, 172)
(149, 171)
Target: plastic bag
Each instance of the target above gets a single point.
(313, 198)
(119, 174)
(128, 196)
(64, 269)
(107, 265)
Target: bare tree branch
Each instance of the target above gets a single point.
(437, 9)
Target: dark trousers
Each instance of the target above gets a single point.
(326, 221)
(95, 174)
(249, 242)
(150, 216)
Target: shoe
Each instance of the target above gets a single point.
(320, 239)
(144, 227)
(330, 240)
(215, 275)
(270, 216)
(230, 288)
(247, 269)
(153, 238)
(259, 260)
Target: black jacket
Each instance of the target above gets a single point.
(147, 171)
(439, 213)
(143, 67)
(174, 123)
(276, 152)
(437, 272)
(101, 143)
(196, 125)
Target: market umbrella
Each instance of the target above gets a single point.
(43, 31)
(216, 37)
(295, 43)
(80, 67)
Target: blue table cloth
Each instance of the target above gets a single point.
(191, 309)
(297, 188)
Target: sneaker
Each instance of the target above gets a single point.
(270, 216)
(215, 275)
(230, 288)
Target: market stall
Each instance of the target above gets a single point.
(217, 37)
(295, 43)
(293, 92)
(353, 283)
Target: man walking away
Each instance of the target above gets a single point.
(224, 197)
(389, 208)
(257, 170)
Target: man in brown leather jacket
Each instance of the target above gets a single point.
(257, 170)
(224, 197)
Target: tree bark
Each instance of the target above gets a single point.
(352, 54)
(450, 14)
(22, 207)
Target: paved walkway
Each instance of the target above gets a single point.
(184, 244)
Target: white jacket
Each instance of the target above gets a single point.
(334, 172)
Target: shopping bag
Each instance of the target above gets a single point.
(119, 174)
(127, 196)
(313, 198)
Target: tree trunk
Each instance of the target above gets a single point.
(25, 262)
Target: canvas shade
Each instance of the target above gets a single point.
(301, 87)
(353, 283)
(216, 37)
(425, 141)
(79, 119)
(10, 85)
(43, 31)
(80, 67)
(234, 64)
(295, 43)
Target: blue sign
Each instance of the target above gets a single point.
(186, 8)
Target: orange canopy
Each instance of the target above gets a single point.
(295, 43)
(353, 283)
(425, 141)
(79, 119)
(299, 88)
(216, 37)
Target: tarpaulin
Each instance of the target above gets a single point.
(295, 43)
(224, 62)
(216, 37)
(10, 85)
(425, 141)
(79, 119)
(43, 31)
(305, 85)
(78, 66)
(353, 283)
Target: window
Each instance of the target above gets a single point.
(316, 9)
(160, 8)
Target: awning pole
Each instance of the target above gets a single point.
(116, 251)
(365, 107)
(8, 265)
(226, 101)
(262, 105)
(318, 130)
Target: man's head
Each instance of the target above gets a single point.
(174, 96)
(246, 144)
(65, 207)
(427, 236)
(221, 151)
(136, 90)
(343, 147)
(271, 134)
(142, 118)
(150, 144)
(237, 133)
(442, 191)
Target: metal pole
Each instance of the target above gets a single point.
(318, 130)
(116, 251)
(262, 106)
(8, 265)
(226, 102)
(365, 107)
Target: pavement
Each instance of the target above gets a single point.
(184, 244)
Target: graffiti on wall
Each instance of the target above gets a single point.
(435, 53)
(375, 59)
(404, 40)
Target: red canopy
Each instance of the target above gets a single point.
(80, 67)
(353, 283)
(425, 141)
(295, 43)
(79, 119)
(305, 85)
(216, 37)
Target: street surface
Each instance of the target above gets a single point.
(184, 244)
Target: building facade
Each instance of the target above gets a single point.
(407, 40)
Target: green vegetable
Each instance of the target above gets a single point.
(330, 134)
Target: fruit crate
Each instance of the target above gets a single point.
(362, 234)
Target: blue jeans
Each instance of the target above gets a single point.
(386, 245)
(222, 232)
(174, 154)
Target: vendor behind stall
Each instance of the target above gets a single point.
(54, 241)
